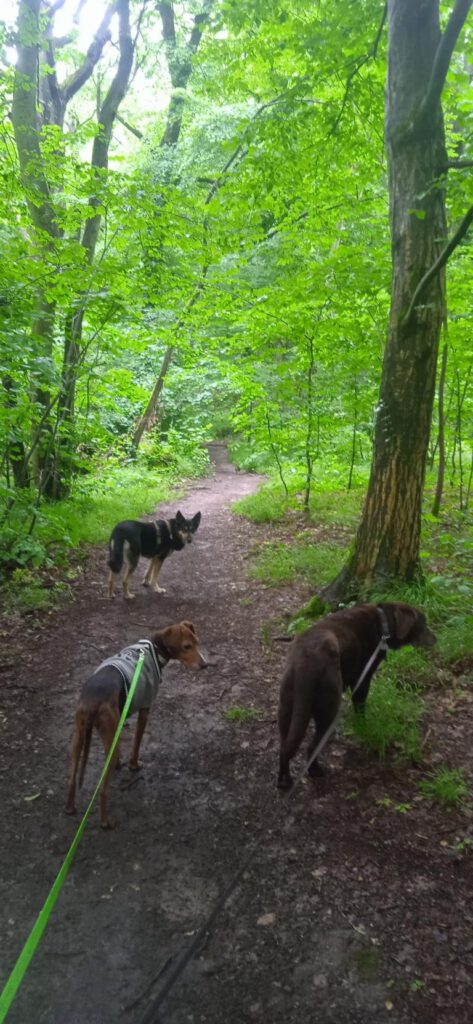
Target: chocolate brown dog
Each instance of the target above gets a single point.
(104, 694)
(328, 658)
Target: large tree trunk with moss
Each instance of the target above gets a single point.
(388, 540)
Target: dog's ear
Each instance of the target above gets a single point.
(189, 626)
(179, 517)
(405, 619)
(196, 520)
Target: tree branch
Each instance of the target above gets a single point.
(439, 262)
(179, 60)
(75, 82)
(442, 60)
(372, 54)
(129, 127)
(459, 164)
(107, 115)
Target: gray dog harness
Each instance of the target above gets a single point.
(150, 678)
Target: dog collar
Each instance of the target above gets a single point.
(385, 631)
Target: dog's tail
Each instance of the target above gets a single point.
(115, 547)
(300, 718)
(85, 749)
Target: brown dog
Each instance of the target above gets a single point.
(104, 694)
(328, 658)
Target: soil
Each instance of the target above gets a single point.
(356, 906)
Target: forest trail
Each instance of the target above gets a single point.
(345, 915)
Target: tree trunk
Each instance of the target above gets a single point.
(147, 419)
(388, 540)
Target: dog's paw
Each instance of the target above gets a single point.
(70, 809)
(135, 766)
(158, 590)
(130, 597)
(315, 771)
(107, 824)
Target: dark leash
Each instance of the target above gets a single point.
(151, 1014)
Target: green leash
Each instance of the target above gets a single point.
(16, 977)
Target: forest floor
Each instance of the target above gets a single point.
(356, 906)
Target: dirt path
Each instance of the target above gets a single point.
(349, 913)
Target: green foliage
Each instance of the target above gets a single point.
(241, 715)
(180, 453)
(390, 722)
(278, 563)
(98, 501)
(447, 786)
(27, 592)
(269, 505)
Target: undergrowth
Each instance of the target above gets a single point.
(447, 786)
(445, 595)
(97, 502)
(278, 563)
(390, 722)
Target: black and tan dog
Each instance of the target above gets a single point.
(104, 694)
(330, 657)
(130, 539)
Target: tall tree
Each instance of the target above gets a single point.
(419, 55)
(39, 104)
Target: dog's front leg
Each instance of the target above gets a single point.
(155, 570)
(359, 698)
(284, 776)
(134, 763)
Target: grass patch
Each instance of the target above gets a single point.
(337, 508)
(26, 593)
(269, 505)
(241, 715)
(280, 563)
(390, 723)
(329, 507)
(447, 786)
